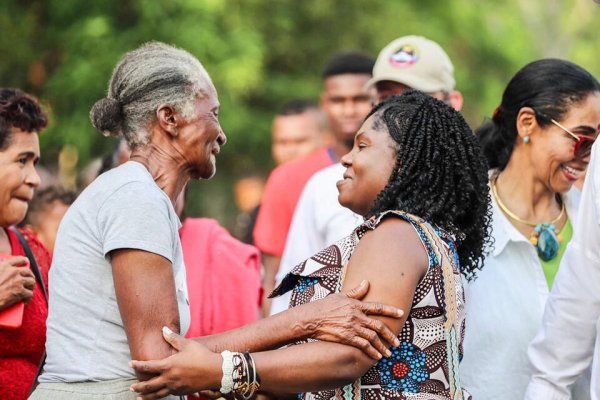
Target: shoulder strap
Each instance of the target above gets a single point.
(452, 329)
(38, 276)
(34, 266)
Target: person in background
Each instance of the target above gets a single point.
(298, 130)
(568, 340)
(417, 175)
(247, 192)
(88, 173)
(222, 275)
(118, 275)
(537, 144)
(45, 212)
(120, 154)
(415, 62)
(346, 102)
(21, 342)
(319, 219)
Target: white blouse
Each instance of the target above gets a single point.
(504, 307)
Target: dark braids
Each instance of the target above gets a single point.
(440, 173)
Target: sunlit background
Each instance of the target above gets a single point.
(262, 53)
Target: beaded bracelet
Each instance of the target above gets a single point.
(227, 369)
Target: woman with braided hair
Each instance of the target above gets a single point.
(538, 144)
(118, 274)
(417, 175)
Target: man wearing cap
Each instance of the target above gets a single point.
(414, 62)
(409, 62)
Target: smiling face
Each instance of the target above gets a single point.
(368, 166)
(18, 177)
(552, 148)
(200, 138)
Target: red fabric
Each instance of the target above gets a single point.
(223, 277)
(21, 349)
(282, 191)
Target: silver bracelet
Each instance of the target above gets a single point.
(253, 384)
(227, 368)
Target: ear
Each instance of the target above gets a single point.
(168, 120)
(456, 100)
(526, 122)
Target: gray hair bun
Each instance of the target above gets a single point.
(107, 116)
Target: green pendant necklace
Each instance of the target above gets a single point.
(545, 237)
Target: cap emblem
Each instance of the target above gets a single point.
(405, 56)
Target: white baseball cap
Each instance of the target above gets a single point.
(416, 62)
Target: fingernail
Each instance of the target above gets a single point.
(363, 282)
(379, 356)
(167, 331)
(130, 364)
(388, 353)
(396, 342)
(131, 388)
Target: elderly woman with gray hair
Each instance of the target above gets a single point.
(118, 277)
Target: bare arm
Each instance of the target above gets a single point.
(338, 318)
(395, 271)
(145, 290)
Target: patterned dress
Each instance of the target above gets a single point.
(425, 365)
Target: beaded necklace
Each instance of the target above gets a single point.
(546, 238)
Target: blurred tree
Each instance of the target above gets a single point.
(262, 53)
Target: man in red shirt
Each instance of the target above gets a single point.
(346, 103)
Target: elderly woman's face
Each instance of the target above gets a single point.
(368, 167)
(18, 177)
(201, 138)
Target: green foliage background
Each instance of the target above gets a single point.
(261, 53)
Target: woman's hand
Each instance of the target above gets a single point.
(16, 281)
(343, 318)
(194, 368)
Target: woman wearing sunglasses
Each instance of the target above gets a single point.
(537, 144)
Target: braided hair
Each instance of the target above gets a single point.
(440, 173)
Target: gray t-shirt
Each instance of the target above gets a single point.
(122, 208)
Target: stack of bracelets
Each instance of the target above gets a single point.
(239, 375)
